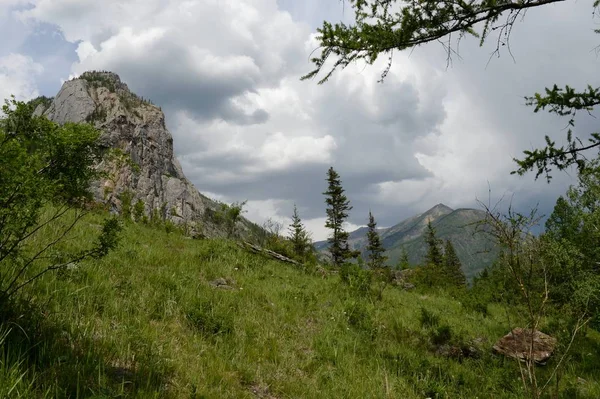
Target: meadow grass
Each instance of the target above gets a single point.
(145, 322)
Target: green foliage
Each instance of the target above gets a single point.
(358, 279)
(299, 237)
(570, 245)
(139, 211)
(376, 251)
(337, 210)
(44, 167)
(380, 28)
(41, 100)
(230, 215)
(144, 322)
(99, 79)
(428, 319)
(434, 255)
(207, 319)
(126, 198)
(441, 335)
(377, 259)
(403, 262)
(452, 267)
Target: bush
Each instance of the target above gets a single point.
(358, 279)
(441, 335)
(428, 319)
(205, 318)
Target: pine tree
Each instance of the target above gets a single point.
(337, 212)
(298, 235)
(375, 248)
(403, 263)
(434, 253)
(377, 260)
(452, 266)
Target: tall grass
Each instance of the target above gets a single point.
(145, 322)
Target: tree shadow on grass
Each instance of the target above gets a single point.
(72, 367)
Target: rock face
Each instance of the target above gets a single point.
(518, 344)
(141, 163)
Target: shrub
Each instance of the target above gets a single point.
(205, 318)
(428, 319)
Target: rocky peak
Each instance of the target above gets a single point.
(141, 165)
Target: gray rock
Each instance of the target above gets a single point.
(221, 283)
(72, 103)
(525, 344)
(145, 163)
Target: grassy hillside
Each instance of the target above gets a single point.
(145, 322)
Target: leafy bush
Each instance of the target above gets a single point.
(357, 279)
(205, 318)
(441, 335)
(46, 171)
(428, 319)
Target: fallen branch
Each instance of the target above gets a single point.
(268, 252)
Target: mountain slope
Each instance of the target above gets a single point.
(474, 249)
(154, 320)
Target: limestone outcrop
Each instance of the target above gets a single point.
(140, 163)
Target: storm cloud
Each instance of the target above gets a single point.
(226, 73)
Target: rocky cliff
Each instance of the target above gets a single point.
(141, 163)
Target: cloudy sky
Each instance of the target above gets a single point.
(245, 127)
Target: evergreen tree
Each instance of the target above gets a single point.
(337, 212)
(453, 269)
(298, 235)
(376, 257)
(374, 246)
(403, 263)
(434, 253)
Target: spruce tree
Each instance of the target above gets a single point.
(377, 259)
(337, 212)
(298, 235)
(434, 253)
(452, 266)
(375, 248)
(403, 263)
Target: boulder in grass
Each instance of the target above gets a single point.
(518, 344)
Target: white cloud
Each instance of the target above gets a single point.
(227, 74)
(17, 76)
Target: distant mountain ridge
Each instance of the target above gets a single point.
(474, 249)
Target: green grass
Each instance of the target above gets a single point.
(145, 322)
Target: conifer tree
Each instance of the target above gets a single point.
(374, 246)
(337, 212)
(377, 259)
(434, 253)
(453, 269)
(298, 235)
(403, 263)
